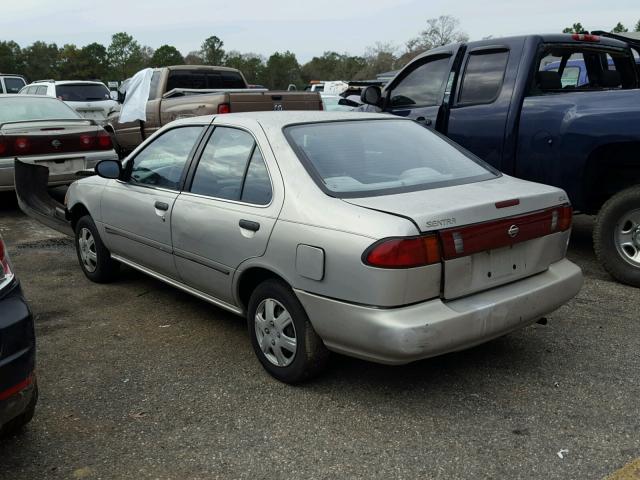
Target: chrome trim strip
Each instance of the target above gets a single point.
(181, 286)
(137, 238)
(200, 260)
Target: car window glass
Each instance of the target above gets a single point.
(257, 187)
(223, 163)
(161, 163)
(153, 89)
(13, 85)
(82, 92)
(483, 77)
(19, 108)
(41, 91)
(424, 86)
(202, 79)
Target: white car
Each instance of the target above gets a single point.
(11, 83)
(90, 99)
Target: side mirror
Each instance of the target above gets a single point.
(372, 95)
(109, 169)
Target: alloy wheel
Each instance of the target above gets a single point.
(275, 332)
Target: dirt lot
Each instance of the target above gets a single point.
(139, 380)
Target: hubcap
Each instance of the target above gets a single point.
(628, 237)
(87, 249)
(275, 332)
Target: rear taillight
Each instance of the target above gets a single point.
(21, 145)
(104, 141)
(565, 217)
(86, 141)
(403, 252)
(224, 108)
(5, 267)
(3, 147)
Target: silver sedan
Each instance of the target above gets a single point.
(362, 234)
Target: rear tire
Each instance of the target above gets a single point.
(282, 336)
(616, 236)
(95, 259)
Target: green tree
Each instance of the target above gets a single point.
(250, 64)
(332, 66)
(379, 58)
(212, 52)
(166, 55)
(11, 60)
(94, 62)
(69, 65)
(125, 55)
(637, 29)
(575, 28)
(281, 70)
(619, 28)
(441, 31)
(41, 61)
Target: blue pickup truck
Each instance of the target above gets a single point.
(497, 99)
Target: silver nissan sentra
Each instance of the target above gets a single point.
(363, 234)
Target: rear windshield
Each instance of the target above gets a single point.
(377, 157)
(202, 79)
(82, 92)
(16, 109)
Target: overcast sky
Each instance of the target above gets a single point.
(307, 28)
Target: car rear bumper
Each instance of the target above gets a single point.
(90, 161)
(17, 355)
(405, 334)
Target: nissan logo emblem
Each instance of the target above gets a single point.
(513, 231)
(56, 143)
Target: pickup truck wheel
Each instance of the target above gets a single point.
(616, 236)
(95, 260)
(282, 335)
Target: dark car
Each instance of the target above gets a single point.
(18, 387)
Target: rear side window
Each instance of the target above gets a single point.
(41, 90)
(423, 86)
(82, 92)
(232, 168)
(378, 157)
(13, 84)
(483, 77)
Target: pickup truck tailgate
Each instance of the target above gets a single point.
(264, 101)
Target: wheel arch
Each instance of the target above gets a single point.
(610, 168)
(76, 212)
(249, 278)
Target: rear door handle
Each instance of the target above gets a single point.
(162, 206)
(249, 225)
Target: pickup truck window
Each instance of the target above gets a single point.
(423, 86)
(13, 84)
(565, 68)
(161, 163)
(203, 79)
(483, 77)
(223, 164)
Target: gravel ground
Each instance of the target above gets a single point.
(140, 380)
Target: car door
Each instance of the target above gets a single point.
(227, 211)
(136, 211)
(419, 91)
(479, 113)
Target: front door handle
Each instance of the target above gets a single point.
(162, 206)
(249, 225)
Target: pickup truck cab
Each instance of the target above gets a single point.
(193, 90)
(497, 99)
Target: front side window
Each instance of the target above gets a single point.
(232, 168)
(483, 77)
(377, 157)
(162, 162)
(423, 87)
(13, 84)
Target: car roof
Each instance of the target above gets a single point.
(24, 95)
(282, 119)
(65, 82)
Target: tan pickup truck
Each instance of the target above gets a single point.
(192, 90)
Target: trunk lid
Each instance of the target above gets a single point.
(491, 233)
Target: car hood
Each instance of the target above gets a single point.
(439, 208)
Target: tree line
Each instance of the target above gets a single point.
(124, 56)
(619, 28)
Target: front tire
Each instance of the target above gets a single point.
(282, 336)
(95, 259)
(616, 236)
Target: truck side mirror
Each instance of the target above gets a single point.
(372, 95)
